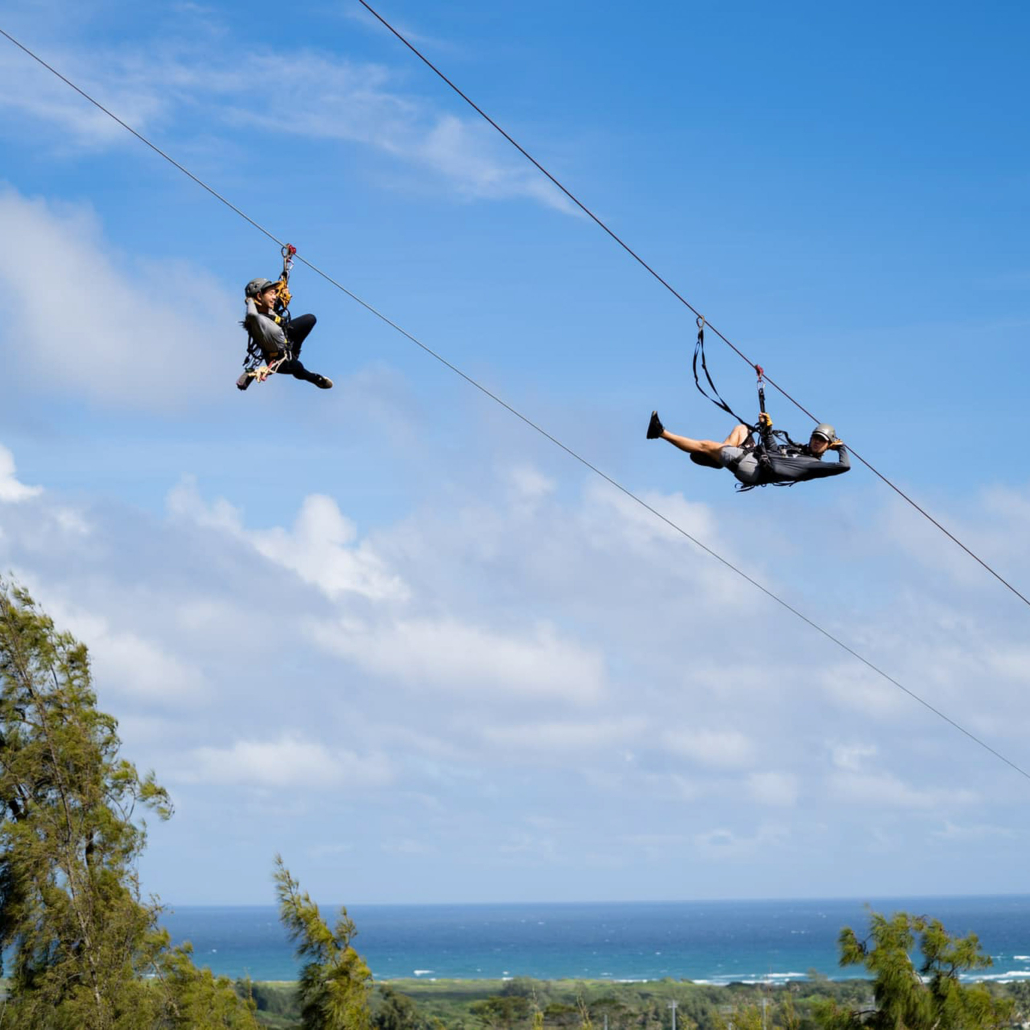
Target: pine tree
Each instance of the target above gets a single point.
(335, 983)
(931, 997)
(79, 940)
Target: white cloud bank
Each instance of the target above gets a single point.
(545, 658)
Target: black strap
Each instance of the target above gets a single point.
(714, 397)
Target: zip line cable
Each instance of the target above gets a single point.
(543, 432)
(636, 257)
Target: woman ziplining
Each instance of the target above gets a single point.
(274, 339)
(773, 459)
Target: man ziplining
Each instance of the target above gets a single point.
(770, 461)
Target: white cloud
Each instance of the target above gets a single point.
(527, 487)
(321, 548)
(885, 790)
(90, 327)
(563, 738)
(452, 654)
(774, 788)
(856, 687)
(289, 761)
(71, 522)
(720, 843)
(44, 98)
(317, 96)
(318, 550)
(975, 832)
(11, 491)
(720, 749)
(851, 757)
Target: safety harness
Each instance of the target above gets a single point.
(772, 443)
(257, 363)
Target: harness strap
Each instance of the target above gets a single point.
(714, 397)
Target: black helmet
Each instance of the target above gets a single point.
(826, 431)
(258, 286)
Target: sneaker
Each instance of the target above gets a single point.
(654, 427)
(244, 381)
(324, 383)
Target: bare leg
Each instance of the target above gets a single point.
(709, 448)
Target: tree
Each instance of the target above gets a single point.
(743, 1016)
(335, 983)
(76, 934)
(503, 1011)
(931, 997)
(396, 1011)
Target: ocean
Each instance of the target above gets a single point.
(705, 941)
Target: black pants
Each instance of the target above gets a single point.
(297, 330)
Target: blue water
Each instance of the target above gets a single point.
(712, 941)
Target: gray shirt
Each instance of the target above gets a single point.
(266, 331)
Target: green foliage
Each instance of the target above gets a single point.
(741, 1017)
(271, 999)
(503, 1012)
(78, 938)
(195, 999)
(931, 997)
(334, 983)
(395, 1011)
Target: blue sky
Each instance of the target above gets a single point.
(393, 634)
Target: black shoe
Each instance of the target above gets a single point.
(324, 383)
(655, 427)
(244, 381)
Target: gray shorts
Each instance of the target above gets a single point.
(743, 464)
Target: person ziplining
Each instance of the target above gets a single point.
(758, 464)
(274, 339)
(773, 459)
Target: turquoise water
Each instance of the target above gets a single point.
(714, 942)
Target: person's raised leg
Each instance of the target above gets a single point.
(708, 449)
(737, 437)
(297, 331)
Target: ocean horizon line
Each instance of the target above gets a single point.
(816, 899)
